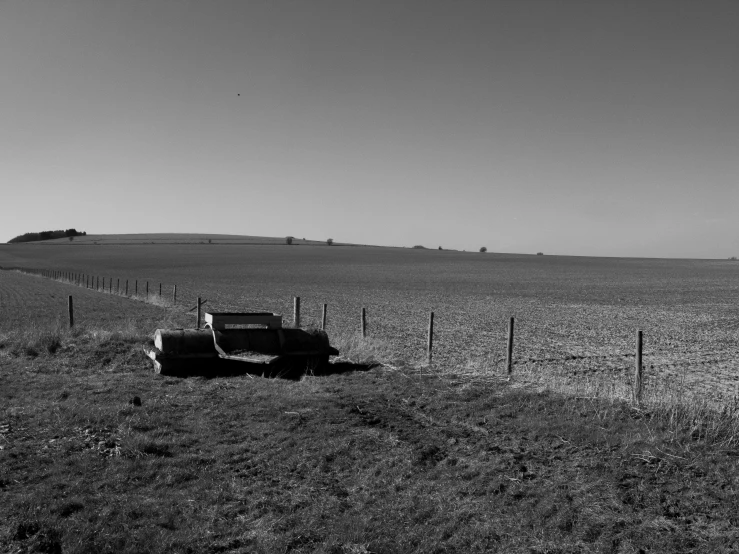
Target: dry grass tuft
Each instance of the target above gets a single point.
(34, 339)
(668, 404)
(367, 351)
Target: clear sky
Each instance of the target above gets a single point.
(569, 127)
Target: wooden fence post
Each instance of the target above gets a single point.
(136, 287)
(364, 323)
(638, 368)
(197, 324)
(118, 286)
(323, 317)
(147, 295)
(430, 344)
(174, 295)
(509, 349)
(160, 290)
(296, 312)
(70, 308)
(126, 287)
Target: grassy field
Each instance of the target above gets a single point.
(99, 454)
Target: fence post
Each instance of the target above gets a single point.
(160, 290)
(136, 288)
(197, 324)
(296, 312)
(147, 296)
(126, 287)
(174, 295)
(70, 307)
(638, 368)
(323, 317)
(118, 286)
(509, 349)
(364, 323)
(430, 345)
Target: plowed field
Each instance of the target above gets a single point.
(574, 316)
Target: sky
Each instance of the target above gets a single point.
(598, 128)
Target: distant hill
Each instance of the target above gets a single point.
(183, 238)
(47, 235)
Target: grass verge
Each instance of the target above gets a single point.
(101, 455)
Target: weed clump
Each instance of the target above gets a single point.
(366, 350)
(32, 340)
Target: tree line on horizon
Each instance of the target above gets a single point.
(47, 235)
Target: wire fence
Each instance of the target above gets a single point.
(592, 347)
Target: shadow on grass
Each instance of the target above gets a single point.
(290, 371)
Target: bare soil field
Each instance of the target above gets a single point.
(575, 317)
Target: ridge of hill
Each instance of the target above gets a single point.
(182, 238)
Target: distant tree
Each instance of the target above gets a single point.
(540, 253)
(483, 249)
(733, 258)
(329, 241)
(71, 239)
(288, 240)
(419, 247)
(210, 241)
(440, 248)
(45, 235)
